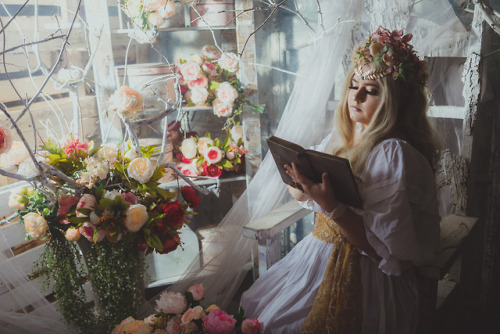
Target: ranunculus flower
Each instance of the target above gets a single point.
(226, 93)
(155, 19)
(66, 202)
(97, 167)
(202, 81)
(141, 169)
(213, 155)
(172, 302)
(189, 148)
(211, 52)
(5, 139)
(108, 152)
(251, 326)
(222, 109)
(190, 71)
(127, 102)
(167, 10)
(73, 146)
(236, 132)
(218, 322)
(204, 143)
(211, 170)
(87, 230)
(137, 216)
(87, 201)
(229, 62)
(198, 95)
(36, 226)
(197, 291)
(190, 196)
(17, 201)
(72, 234)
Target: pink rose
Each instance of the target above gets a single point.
(65, 204)
(251, 326)
(229, 62)
(190, 71)
(211, 52)
(222, 109)
(172, 302)
(198, 95)
(87, 201)
(218, 322)
(202, 81)
(197, 291)
(226, 93)
(209, 68)
(73, 146)
(188, 169)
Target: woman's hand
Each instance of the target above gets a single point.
(322, 193)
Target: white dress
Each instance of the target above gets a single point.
(402, 224)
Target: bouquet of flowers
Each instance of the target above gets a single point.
(111, 197)
(204, 156)
(211, 80)
(147, 14)
(182, 313)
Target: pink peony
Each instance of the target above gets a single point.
(73, 146)
(66, 202)
(197, 291)
(172, 302)
(251, 326)
(218, 322)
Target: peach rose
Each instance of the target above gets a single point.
(197, 291)
(127, 101)
(213, 155)
(167, 10)
(190, 71)
(136, 217)
(172, 302)
(222, 109)
(226, 93)
(36, 226)
(141, 169)
(198, 95)
(204, 143)
(211, 52)
(72, 234)
(189, 148)
(229, 62)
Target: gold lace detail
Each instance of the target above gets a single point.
(338, 307)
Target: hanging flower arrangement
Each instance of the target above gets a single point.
(204, 156)
(108, 200)
(211, 80)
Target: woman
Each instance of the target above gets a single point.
(356, 271)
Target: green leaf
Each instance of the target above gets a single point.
(152, 240)
(258, 108)
(213, 85)
(217, 142)
(78, 220)
(226, 164)
(84, 211)
(52, 148)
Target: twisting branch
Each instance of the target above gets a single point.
(32, 43)
(13, 16)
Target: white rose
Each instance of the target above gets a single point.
(72, 234)
(226, 93)
(17, 201)
(211, 52)
(189, 148)
(236, 132)
(36, 226)
(108, 152)
(131, 154)
(152, 5)
(190, 71)
(167, 10)
(222, 109)
(137, 216)
(229, 62)
(213, 155)
(127, 101)
(96, 167)
(155, 19)
(199, 95)
(203, 144)
(189, 169)
(141, 169)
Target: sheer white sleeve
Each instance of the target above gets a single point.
(400, 206)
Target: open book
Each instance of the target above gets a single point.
(313, 164)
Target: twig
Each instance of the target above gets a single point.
(14, 16)
(32, 43)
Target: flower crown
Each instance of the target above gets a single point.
(393, 52)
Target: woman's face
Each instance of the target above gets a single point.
(363, 100)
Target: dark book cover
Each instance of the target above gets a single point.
(313, 164)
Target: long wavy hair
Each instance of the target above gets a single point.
(402, 110)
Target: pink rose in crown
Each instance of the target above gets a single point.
(218, 322)
(197, 291)
(211, 170)
(251, 326)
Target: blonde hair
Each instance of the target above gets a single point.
(402, 108)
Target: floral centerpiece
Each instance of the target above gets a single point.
(211, 80)
(182, 313)
(108, 200)
(204, 156)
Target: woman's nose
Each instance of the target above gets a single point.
(360, 95)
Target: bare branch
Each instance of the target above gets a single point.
(32, 43)
(14, 16)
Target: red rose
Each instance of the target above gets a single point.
(190, 196)
(174, 214)
(66, 202)
(211, 170)
(170, 244)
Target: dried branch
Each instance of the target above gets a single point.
(32, 43)
(14, 16)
